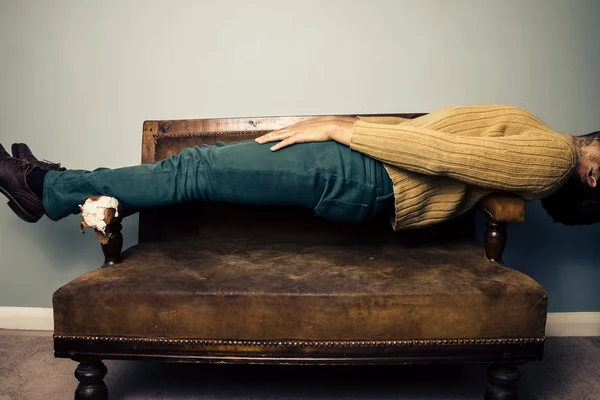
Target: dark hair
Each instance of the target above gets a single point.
(573, 203)
(588, 139)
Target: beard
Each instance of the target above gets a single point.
(574, 203)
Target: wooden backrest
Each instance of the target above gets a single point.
(162, 139)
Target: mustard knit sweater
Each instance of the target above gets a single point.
(443, 163)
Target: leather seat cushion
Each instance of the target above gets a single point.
(249, 290)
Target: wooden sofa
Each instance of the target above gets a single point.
(232, 284)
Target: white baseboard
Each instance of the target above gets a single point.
(28, 318)
(573, 324)
(559, 324)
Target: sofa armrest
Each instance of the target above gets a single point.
(503, 208)
(500, 209)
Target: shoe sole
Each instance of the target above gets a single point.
(16, 207)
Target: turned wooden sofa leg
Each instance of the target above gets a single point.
(495, 239)
(90, 374)
(112, 249)
(503, 382)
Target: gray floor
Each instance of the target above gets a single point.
(28, 370)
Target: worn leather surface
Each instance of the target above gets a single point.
(250, 288)
(504, 208)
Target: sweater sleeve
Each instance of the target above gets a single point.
(527, 164)
(383, 119)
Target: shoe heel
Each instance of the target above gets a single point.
(21, 214)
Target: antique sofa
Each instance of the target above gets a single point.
(231, 284)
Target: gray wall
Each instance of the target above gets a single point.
(78, 78)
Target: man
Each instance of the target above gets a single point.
(415, 172)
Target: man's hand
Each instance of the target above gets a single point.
(319, 129)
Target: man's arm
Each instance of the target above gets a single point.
(321, 129)
(530, 164)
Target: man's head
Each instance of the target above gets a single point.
(588, 163)
(577, 202)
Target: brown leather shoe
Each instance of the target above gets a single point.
(13, 185)
(23, 152)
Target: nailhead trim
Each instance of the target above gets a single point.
(286, 343)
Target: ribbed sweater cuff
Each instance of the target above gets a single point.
(382, 119)
(358, 141)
